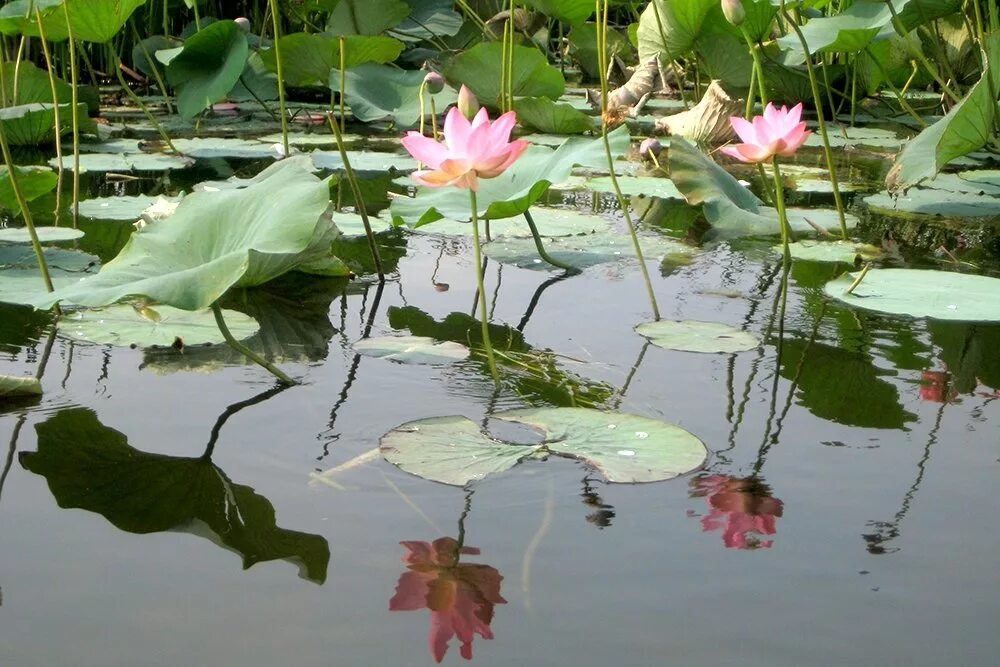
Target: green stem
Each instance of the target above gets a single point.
(343, 85)
(275, 24)
(541, 248)
(916, 53)
(779, 201)
(56, 120)
(117, 66)
(818, 102)
(246, 351)
(156, 68)
(359, 202)
(74, 114)
(758, 68)
(899, 96)
(483, 314)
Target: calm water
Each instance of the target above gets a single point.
(845, 517)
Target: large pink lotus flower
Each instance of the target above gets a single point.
(743, 508)
(470, 151)
(777, 132)
(460, 596)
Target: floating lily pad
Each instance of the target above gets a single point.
(116, 208)
(940, 295)
(125, 162)
(695, 336)
(624, 448)
(16, 387)
(966, 195)
(22, 256)
(45, 234)
(846, 252)
(111, 146)
(551, 222)
(865, 137)
(351, 224)
(153, 326)
(21, 281)
(585, 251)
(412, 349)
(648, 186)
(364, 161)
(225, 148)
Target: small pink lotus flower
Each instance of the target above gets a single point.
(742, 508)
(470, 151)
(777, 132)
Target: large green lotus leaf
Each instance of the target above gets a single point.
(583, 47)
(214, 241)
(203, 149)
(585, 251)
(302, 162)
(256, 84)
(16, 386)
(551, 222)
(479, 69)
(939, 295)
(700, 179)
(33, 182)
(695, 336)
(429, 19)
(45, 234)
(412, 349)
(375, 92)
(143, 53)
(544, 115)
(568, 11)
(124, 162)
(125, 207)
(366, 17)
(33, 124)
(670, 28)
(514, 191)
(91, 20)
(208, 67)
(17, 17)
(843, 252)
(965, 128)
(92, 467)
(32, 85)
(842, 386)
(648, 186)
(307, 58)
(126, 326)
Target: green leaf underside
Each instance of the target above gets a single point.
(585, 251)
(695, 336)
(941, 295)
(17, 386)
(624, 448)
(124, 326)
(214, 241)
(92, 467)
(208, 66)
(33, 182)
(412, 349)
(376, 92)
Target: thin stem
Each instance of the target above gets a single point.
(156, 68)
(779, 200)
(758, 68)
(916, 53)
(818, 102)
(359, 201)
(343, 85)
(483, 314)
(541, 248)
(275, 24)
(117, 65)
(74, 114)
(434, 121)
(246, 351)
(56, 121)
(899, 96)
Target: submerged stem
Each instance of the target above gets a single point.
(246, 351)
(483, 314)
(779, 201)
(542, 252)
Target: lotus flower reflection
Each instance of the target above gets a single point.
(470, 150)
(777, 132)
(460, 596)
(742, 508)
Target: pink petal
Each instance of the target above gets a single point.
(733, 151)
(766, 132)
(795, 115)
(482, 116)
(502, 127)
(794, 139)
(425, 149)
(456, 130)
(744, 129)
(478, 145)
(505, 159)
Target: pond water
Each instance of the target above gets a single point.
(169, 508)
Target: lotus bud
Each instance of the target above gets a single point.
(434, 83)
(650, 149)
(733, 11)
(467, 103)
(243, 22)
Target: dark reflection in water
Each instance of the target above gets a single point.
(743, 508)
(603, 513)
(92, 467)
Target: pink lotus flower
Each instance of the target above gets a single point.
(460, 596)
(777, 132)
(470, 151)
(935, 387)
(743, 508)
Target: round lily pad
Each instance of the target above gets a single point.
(551, 222)
(351, 224)
(412, 349)
(941, 295)
(364, 161)
(846, 252)
(695, 336)
(119, 208)
(122, 162)
(585, 251)
(154, 326)
(624, 448)
(45, 234)
(225, 148)
(647, 186)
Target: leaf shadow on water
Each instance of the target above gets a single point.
(92, 467)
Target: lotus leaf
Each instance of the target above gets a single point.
(18, 387)
(694, 336)
(208, 66)
(127, 326)
(412, 349)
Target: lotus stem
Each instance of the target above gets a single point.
(25, 211)
(899, 96)
(434, 120)
(919, 56)
(420, 100)
(156, 69)
(602, 15)
(74, 83)
(275, 24)
(117, 65)
(359, 201)
(56, 124)
(343, 84)
(541, 248)
(818, 102)
(758, 70)
(481, 288)
(857, 281)
(246, 351)
(779, 201)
